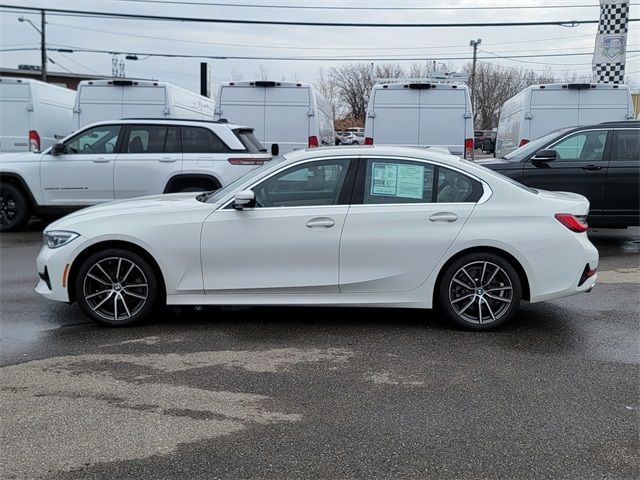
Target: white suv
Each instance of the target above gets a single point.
(122, 159)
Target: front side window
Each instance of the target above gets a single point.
(310, 184)
(405, 181)
(582, 147)
(201, 140)
(627, 146)
(101, 139)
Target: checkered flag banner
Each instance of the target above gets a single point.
(609, 56)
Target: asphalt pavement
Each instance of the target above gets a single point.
(301, 393)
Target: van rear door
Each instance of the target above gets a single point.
(599, 105)
(99, 102)
(551, 110)
(244, 105)
(14, 117)
(144, 101)
(442, 120)
(397, 117)
(286, 119)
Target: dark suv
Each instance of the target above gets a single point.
(601, 162)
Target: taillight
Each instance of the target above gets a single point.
(368, 141)
(313, 142)
(468, 149)
(246, 161)
(524, 141)
(572, 222)
(34, 141)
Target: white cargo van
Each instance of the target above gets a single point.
(99, 100)
(421, 113)
(290, 114)
(540, 109)
(33, 114)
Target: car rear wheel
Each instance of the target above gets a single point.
(14, 208)
(116, 287)
(480, 291)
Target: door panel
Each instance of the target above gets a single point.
(622, 191)
(581, 167)
(84, 174)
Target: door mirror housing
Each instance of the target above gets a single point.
(545, 155)
(58, 148)
(244, 199)
(275, 149)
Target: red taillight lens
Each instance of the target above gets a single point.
(468, 149)
(313, 142)
(524, 141)
(572, 222)
(368, 141)
(34, 141)
(246, 161)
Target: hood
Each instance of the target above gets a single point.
(20, 157)
(154, 204)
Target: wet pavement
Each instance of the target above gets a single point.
(322, 393)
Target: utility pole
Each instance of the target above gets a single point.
(43, 47)
(474, 44)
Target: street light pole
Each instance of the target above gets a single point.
(474, 44)
(43, 47)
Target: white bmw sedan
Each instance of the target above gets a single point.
(355, 226)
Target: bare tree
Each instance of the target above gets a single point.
(329, 91)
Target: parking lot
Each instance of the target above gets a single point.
(322, 393)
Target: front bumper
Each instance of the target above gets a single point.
(53, 267)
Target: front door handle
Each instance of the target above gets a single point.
(444, 217)
(320, 222)
(592, 168)
(101, 160)
(167, 160)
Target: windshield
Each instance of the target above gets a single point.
(214, 196)
(524, 151)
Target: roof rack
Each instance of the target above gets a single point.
(170, 119)
(435, 78)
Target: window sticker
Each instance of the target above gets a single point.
(385, 179)
(410, 181)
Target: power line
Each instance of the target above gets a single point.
(335, 7)
(135, 16)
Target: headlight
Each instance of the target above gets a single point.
(58, 238)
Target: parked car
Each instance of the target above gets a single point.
(601, 162)
(99, 100)
(479, 136)
(540, 109)
(309, 229)
(489, 143)
(33, 115)
(421, 114)
(293, 115)
(352, 138)
(122, 159)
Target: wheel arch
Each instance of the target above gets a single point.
(19, 182)
(522, 275)
(178, 181)
(103, 245)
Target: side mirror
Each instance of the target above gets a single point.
(57, 149)
(244, 199)
(275, 149)
(545, 155)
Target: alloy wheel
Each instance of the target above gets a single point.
(9, 209)
(115, 288)
(480, 292)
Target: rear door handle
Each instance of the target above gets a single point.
(321, 222)
(168, 160)
(444, 217)
(101, 160)
(592, 168)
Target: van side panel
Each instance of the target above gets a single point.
(15, 100)
(553, 109)
(510, 124)
(182, 103)
(397, 117)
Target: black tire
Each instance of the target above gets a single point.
(120, 275)
(15, 208)
(483, 298)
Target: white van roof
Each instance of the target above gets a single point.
(577, 86)
(422, 85)
(265, 83)
(124, 82)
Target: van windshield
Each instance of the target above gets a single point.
(524, 151)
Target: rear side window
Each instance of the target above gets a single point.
(201, 140)
(249, 140)
(627, 146)
(405, 181)
(146, 139)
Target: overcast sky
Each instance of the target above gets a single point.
(251, 40)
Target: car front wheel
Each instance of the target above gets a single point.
(480, 291)
(116, 287)
(14, 208)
